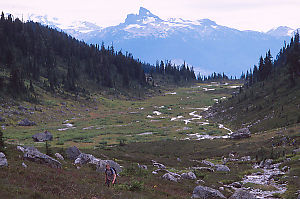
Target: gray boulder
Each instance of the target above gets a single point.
(35, 156)
(59, 156)
(42, 137)
(100, 166)
(86, 159)
(208, 163)
(236, 184)
(3, 160)
(170, 177)
(189, 175)
(158, 165)
(221, 167)
(204, 169)
(73, 152)
(266, 164)
(26, 122)
(206, 193)
(241, 133)
(242, 194)
(24, 165)
(142, 166)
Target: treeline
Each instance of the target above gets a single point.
(287, 61)
(180, 74)
(213, 77)
(32, 54)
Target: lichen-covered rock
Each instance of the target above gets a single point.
(42, 137)
(3, 160)
(221, 167)
(85, 159)
(241, 133)
(26, 122)
(206, 193)
(34, 155)
(189, 175)
(170, 177)
(208, 163)
(59, 156)
(242, 194)
(73, 152)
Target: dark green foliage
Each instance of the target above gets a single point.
(35, 55)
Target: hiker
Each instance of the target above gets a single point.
(110, 175)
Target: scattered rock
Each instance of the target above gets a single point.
(190, 176)
(170, 177)
(203, 169)
(2, 119)
(236, 184)
(208, 163)
(242, 194)
(200, 182)
(34, 155)
(158, 165)
(42, 137)
(245, 158)
(294, 151)
(24, 165)
(241, 133)
(26, 122)
(206, 193)
(59, 156)
(266, 164)
(178, 159)
(221, 188)
(143, 166)
(85, 159)
(73, 152)
(221, 167)
(3, 160)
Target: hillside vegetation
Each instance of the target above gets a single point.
(270, 97)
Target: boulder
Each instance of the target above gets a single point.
(2, 119)
(100, 166)
(266, 164)
(241, 133)
(242, 194)
(221, 167)
(3, 160)
(59, 156)
(34, 155)
(204, 169)
(42, 137)
(73, 152)
(245, 158)
(24, 165)
(170, 177)
(206, 193)
(208, 163)
(236, 184)
(86, 159)
(189, 175)
(26, 122)
(143, 166)
(26, 148)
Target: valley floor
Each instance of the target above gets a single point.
(168, 129)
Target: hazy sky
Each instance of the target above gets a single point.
(259, 15)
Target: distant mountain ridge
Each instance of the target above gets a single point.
(202, 43)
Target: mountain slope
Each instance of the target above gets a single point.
(270, 97)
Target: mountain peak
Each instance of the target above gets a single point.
(144, 12)
(144, 16)
(281, 31)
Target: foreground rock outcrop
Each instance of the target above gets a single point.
(206, 193)
(26, 122)
(32, 154)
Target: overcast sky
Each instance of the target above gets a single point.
(261, 15)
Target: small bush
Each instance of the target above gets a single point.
(136, 186)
